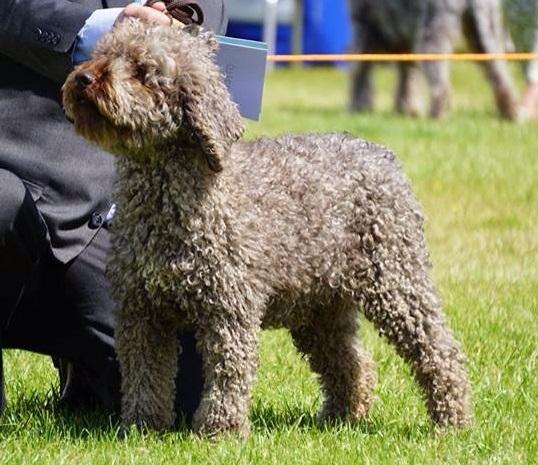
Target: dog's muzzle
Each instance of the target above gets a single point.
(84, 78)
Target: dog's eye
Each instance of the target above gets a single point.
(140, 72)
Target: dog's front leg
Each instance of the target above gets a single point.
(147, 350)
(229, 351)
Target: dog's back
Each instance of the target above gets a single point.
(313, 200)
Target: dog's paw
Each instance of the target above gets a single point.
(331, 415)
(217, 426)
(122, 432)
(456, 418)
(153, 422)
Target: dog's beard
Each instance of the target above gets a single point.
(94, 126)
(88, 121)
(91, 121)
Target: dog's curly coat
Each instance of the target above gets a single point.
(226, 238)
(428, 26)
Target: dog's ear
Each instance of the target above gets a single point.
(207, 38)
(210, 114)
(193, 29)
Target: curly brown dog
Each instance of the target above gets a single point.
(228, 237)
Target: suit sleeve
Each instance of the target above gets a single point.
(40, 34)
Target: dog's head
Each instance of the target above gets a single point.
(148, 88)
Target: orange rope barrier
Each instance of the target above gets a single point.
(404, 57)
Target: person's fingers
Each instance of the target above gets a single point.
(144, 13)
(160, 6)
(131, 10)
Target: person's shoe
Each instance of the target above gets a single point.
(75, 392)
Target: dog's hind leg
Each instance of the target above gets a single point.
(438, 31)
(346, 371)
(483, 29)
(405, 100)
(147, 351)
(407, 311)
(228, 346)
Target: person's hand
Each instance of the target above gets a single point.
(150, 14)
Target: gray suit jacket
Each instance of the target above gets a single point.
(70, 180)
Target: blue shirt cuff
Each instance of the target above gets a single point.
(99, 23)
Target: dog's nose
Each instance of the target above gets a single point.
(84, 78)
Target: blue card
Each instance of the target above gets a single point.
(242, 63)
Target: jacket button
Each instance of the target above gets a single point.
(96, 221)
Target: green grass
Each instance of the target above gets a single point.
(477, 179)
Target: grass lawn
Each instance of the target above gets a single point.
(477, 178)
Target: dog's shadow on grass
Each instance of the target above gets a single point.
(267, 419)
(30, 414)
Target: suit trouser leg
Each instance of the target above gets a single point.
(71, 317)
(49, 307)
(22, 242)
